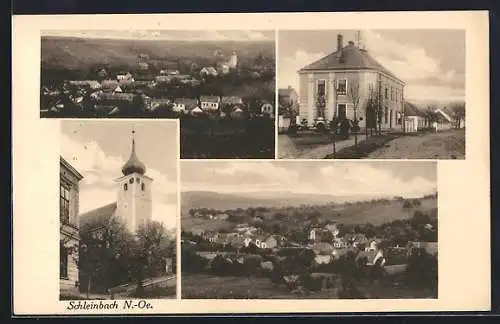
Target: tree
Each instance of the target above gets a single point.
(105, 254)
(458, 113)
(353, 94)
(373, 114)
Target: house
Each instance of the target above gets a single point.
(272, 241)
(157, 102)
(339, 243)
(267, 109)
(224, 68)
(143, 66)
(169, 72)
(231, 101)
(184, 104)
(92, 84)
(415, 119)
(208, 71)
(373, 245)
(237, 112)
(323, 258)
(289, 98)
(266, 242)
(330, 86)
(115, 98)
(221, 216)
(443, 121)
(69, 233)
(209, 103)
(332, 228)
(110, 86)
(370, 258)
(124, 76)
(163, 79)
(196, 111)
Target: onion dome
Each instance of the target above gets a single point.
(133, 165)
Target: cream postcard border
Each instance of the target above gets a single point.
(463, 186)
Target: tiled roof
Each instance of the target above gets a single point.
(349, 57)
(98, 216)
(209, 98)
(412, 110)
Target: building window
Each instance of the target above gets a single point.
(125, 186)
(64, 202)
(131, 180)
(321, 88)
(386, 93)
(142, 186)
(63, 263)
(342, 87)
(386, 115)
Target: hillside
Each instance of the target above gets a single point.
(299, 207)
(82, 53)
(208, 199)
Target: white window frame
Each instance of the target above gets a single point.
(317, 86)
(337, 87)
(337, 108)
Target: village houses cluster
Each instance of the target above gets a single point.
(146, 89)
(325, 241)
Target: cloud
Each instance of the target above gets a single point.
(415, 66)
(99, 171)
(289, 65)
(364, 179)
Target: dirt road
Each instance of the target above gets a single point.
(442, 145)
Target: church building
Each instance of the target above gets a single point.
(133, 204)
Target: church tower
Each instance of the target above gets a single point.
(134, 203)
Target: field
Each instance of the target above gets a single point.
(209, 286)
(218, 287)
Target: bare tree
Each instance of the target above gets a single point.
(353, 94)
(373, 110)
(458, 110)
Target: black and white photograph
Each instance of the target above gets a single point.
(375, 94)
(118, 209)
(309, 229)
(220, 84)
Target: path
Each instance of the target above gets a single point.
(287, 149)
(442, 145)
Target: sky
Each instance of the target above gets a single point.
(431, 62)
(184, 35)
(366, 178)
(98, 150)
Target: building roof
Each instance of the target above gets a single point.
(97, 216)
(70, 168)
(117, 96)
(350, 57)
(109, 84)
(412, 110)
(133, 164)
(231, 100)
(209, 98)
(188, 102)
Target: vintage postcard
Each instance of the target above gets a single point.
(251, 163)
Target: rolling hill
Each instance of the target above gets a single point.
(82, 53)
(347, 210)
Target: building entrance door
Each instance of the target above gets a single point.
(341, 111)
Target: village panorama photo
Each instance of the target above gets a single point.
(219, 84)
(118, 209)
(309, 229)
(375, 94)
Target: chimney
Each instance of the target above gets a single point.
(340, 44)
